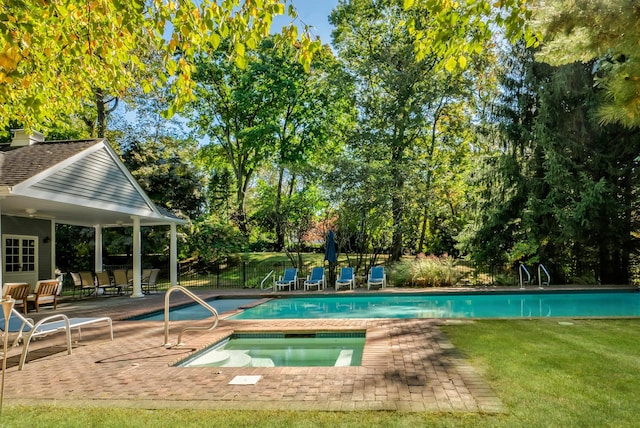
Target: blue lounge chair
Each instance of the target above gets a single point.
(289, 278)
(316, 279)
(347, 278)
(377, 277)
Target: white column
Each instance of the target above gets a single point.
(173, 256)
(52, 241)
(97, 262)
(137, 258)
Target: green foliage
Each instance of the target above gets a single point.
(412, 121)
(557, 189)
(215, 242)
(433, 271)
(54, 54)
(602, 30)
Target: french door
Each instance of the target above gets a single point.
(20, 262)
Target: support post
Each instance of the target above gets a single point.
(137, 259)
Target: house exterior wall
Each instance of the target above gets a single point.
(32, 227)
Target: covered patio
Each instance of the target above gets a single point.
(78, 182)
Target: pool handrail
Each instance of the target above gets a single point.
(523, 268)
(166, 315)
(541, 269)
(265, 278)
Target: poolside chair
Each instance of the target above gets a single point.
(289, 278)
(121, 281)
(18, 292)
(104, 283)
(316, 279)
(149, 282)
(377, 277)
(24, 329)
(88, 284)
(46, 291)
(346, 279)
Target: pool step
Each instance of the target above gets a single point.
(210, 359)
(262, 362)
(344, 359)
(228, 358)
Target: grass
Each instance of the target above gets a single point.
(546, 373)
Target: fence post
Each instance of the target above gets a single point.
(244, 274)
(217, 275)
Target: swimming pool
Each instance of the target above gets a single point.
(280, 349)
(194, 311)
(451, 305)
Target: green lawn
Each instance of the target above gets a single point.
(547, 374)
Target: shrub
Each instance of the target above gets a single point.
(434, 271)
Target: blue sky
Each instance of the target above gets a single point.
(314, 13)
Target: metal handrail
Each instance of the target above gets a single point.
(522, 282)
(166, 315)
(265, 278)
(541, 269)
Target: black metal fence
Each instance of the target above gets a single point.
(245, 275)
(249, 275)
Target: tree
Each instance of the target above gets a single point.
(402, 94)
(604, 30)
(556, 186)
(55, 54)
(235, 110)
(270, 113)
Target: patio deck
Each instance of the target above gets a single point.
(408, 365)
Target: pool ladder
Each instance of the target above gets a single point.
(541, 270)
(523, 271)
(265, 280)
(166, 315)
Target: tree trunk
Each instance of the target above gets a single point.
(280, 229)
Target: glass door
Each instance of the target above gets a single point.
(20, 262)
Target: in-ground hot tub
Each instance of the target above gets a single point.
(282, 349)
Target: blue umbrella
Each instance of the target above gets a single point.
(330, 254)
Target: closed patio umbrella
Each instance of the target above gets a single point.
(331, 256)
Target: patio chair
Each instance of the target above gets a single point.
(18, 292)
(316, 279)
(347, 278)
(377, 277)
(88, 284)
(46, 291)
(104, 283)
(121, 281)
(24, 329)
(289, 278)
(149, 282)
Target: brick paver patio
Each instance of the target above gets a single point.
(407, 365)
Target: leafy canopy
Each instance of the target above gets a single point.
(598, 29)
(54, 53)
(462, 28)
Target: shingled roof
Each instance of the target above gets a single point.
(18, 164)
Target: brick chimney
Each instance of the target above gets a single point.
(21, 138)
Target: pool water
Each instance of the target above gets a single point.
(328, 349)
(451, 305)
(196, 311)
